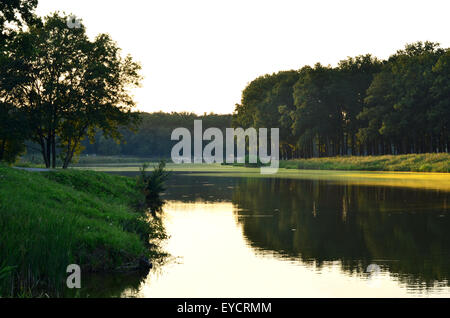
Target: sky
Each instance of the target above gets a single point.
(198, 55)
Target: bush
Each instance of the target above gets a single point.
(153, 185)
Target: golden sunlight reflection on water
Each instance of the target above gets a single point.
(212, 258)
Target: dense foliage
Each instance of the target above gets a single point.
(14, 14)
(152, 138)
(363, 106)
(62, 87)
(153, 185)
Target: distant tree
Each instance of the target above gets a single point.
(439, 112)
(153, 136)
(253, 95)
(265, 103)
(356, 75)
(399, 101)
(319, 116)
(376, 110)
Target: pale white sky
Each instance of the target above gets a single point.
(199, 55)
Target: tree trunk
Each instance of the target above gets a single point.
(2, 149)
(53, 151)
(44, 152)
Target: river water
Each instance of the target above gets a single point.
(282, 237)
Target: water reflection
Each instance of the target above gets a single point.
(108, 285)
(402, 230)
(254, 237)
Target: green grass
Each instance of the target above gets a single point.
(430, 162)
(53, 219)
(36, 161)
(26, 164)
(92, 160)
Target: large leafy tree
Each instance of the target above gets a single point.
(328, 101)
(14, 14)
(73, 86)
(356, 75)
(376, 110)
(318, 116)
(12, 123)
(266, 101)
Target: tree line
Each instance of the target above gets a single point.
(363, 106)
(153, 136)
(58, 87)
(61, 93)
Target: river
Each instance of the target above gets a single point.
(233, 236)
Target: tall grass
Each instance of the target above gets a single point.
(430, 162)
(50, 220)
(153, 185)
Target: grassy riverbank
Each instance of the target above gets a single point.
(34, 161)
(53, 219)
(414, 162)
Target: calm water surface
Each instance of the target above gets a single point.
(263, 237)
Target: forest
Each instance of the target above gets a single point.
(363, 106)
(152, 137)
(62, 95)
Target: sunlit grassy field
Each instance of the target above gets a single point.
(425, 180)
(430, 162)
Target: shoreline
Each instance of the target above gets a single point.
(408, 179)
(49, 220)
